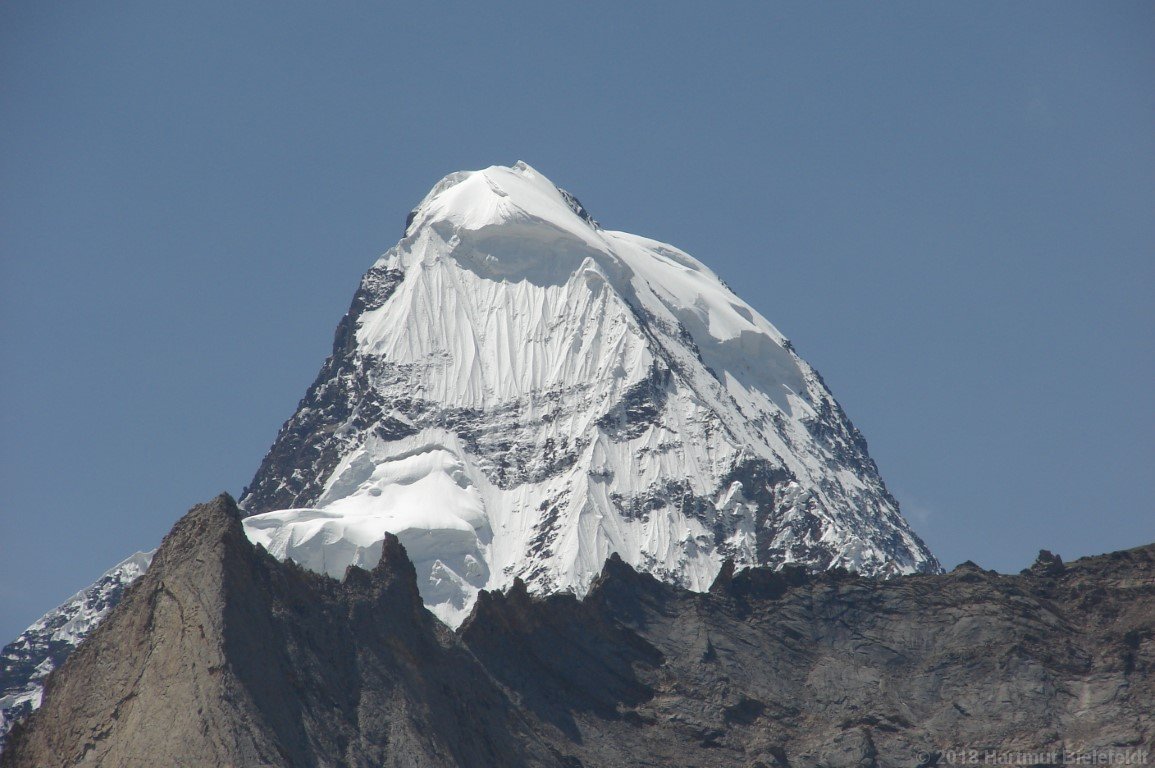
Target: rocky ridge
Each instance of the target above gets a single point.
(223, 655)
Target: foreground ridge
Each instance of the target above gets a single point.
(221, 654)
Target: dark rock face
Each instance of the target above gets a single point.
(221, 655)
(789, 668)
(640, 406)
(341, 398)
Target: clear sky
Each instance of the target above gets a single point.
(949, 208)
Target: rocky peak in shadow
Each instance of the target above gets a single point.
(222, 655)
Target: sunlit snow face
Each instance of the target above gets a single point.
(499, 197)
(570, 391)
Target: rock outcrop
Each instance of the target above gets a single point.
(222, 656)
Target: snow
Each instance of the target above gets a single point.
(464, 204)
(74, 618)
(417, 490)
(532, 325)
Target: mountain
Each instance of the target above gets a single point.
(517, 392)
(223, 655)
(27, 660)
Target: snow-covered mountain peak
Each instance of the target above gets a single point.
(519, 198)
(517, 392)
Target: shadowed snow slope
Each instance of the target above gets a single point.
(517, 392)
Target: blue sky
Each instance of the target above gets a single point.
(947, 207)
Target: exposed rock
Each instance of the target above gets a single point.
(221, 655)
(1046, 564)
(27, 660)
